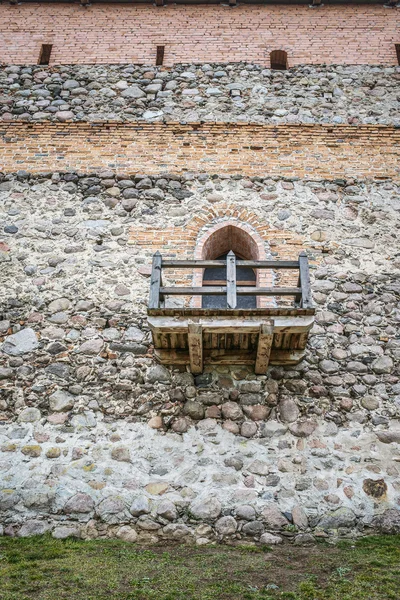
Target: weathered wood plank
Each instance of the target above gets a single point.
(306, 298)
(210, 290)
(231, 280)
(187, 311)
(195, 343)
(264, 348)
(155, 281)
(209, 264)
(300, 324)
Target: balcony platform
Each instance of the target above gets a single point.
(259, 337)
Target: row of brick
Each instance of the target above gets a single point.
(314, 152)
(114, 33)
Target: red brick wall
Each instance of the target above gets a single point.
(197, 34)
(311, 151)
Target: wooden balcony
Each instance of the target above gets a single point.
(195, 336)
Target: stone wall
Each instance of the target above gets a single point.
(242, 92)
(355, 34)
(98, 440)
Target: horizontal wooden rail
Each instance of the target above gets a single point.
(221, 291)
(210, 264)
(301, 293)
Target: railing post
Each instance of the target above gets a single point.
(304, 276)
(231, 280)
(155, 283)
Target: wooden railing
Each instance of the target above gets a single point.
(301, 293)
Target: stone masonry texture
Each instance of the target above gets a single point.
(357, 34)
(243, 92)
(96, 439)
(105, 159)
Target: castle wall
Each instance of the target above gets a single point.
(98, 440)
(227, 93)
(101, 165)
(199, 34)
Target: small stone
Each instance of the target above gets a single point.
(127, 533)
(33, 527)
(91, 347)
(258, 467)
(303, 429)
(122, 290)
(155, 422)
(342, 517)
(246, 512)
(79, 503)
(269, 539)
(61, 401)
(121, 453)
(383, 364)
(62, 532)
(133, 92)
(206, 508)
(388, 522)
(234, 461)
(157, 489)
(167, 510)
(29, 415)
(288, 410)
(140, 506)
(53, 452)
(253, 528)
(20, 343)
(59, 305)
(389, 437)
(32, 450)
(194, 410)
(6, 373)
(248, 429)
(158, 373)
(299, 517)
(273, 518)
(376, 488)
(226, 526)
(64, 115)
(232, 411)
(304, 539)
(370, 402)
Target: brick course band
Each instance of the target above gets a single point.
(313, 151)
(199, 34)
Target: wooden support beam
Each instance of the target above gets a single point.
(221, 291)
(306, 298)
(231, 280)
(265, 338)
(155, 281)
(195, 344)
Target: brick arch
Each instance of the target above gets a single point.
(227, 235)
(231, 234)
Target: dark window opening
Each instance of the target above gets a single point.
(278, 60)
(245, 276)
(45, 52)
(160, 55)
(397, 46)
